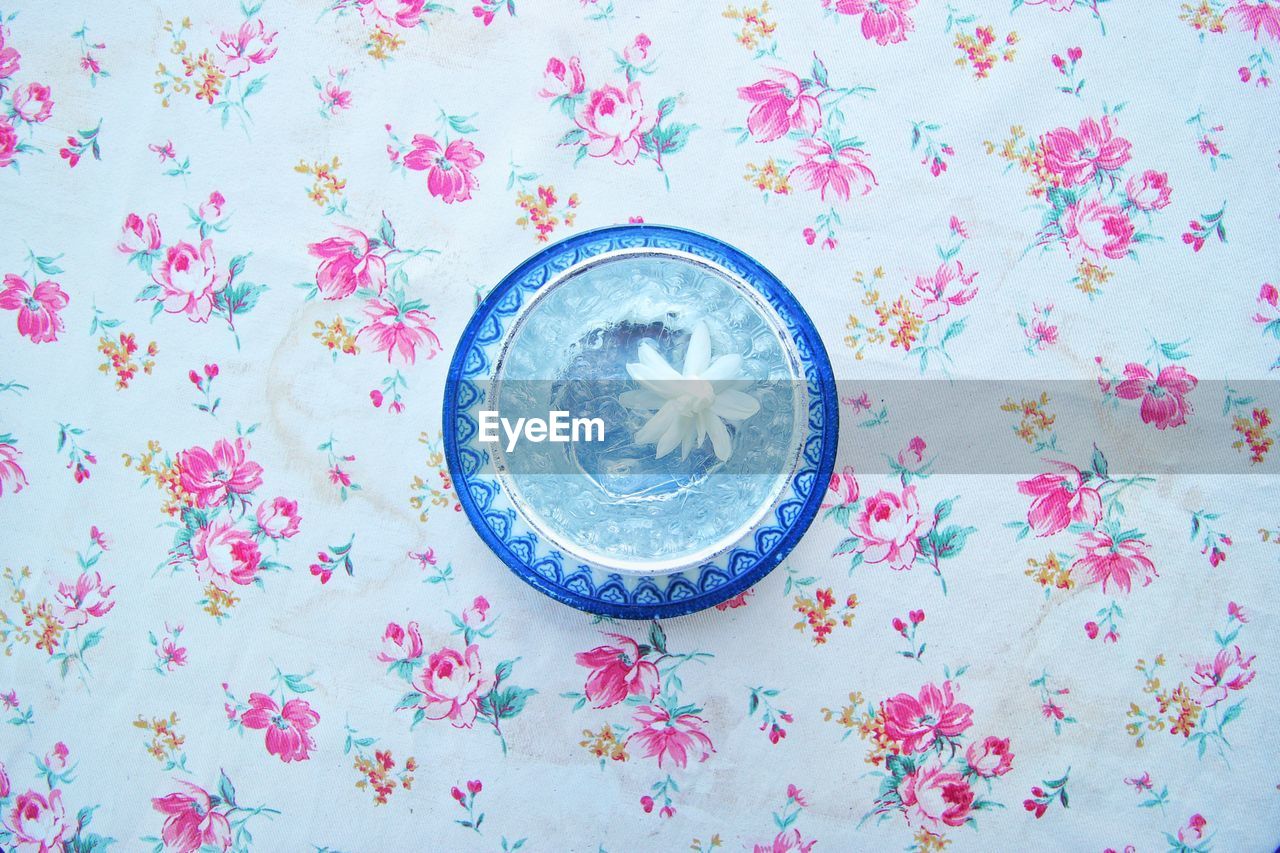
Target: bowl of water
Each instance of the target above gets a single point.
(696, 407)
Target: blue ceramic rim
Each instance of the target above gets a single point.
(758, 278)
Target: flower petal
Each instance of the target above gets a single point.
(697, 357)
(735, 405)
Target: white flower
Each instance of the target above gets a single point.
(691, 404)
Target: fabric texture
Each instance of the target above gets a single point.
(242, 610)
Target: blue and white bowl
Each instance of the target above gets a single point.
(609, 527)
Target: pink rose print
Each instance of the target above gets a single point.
(279, 519)
(1060, 499)
(399, 331)
(347, 265)
(4, 777)
(1093, 227)
(888, 528)
(403, 13)
(38, 824)
(780, 106)
(845, 487)
(885, 21)
(188, 278)
(917, 722)
(452, 685)
(400, 644)
(288, 734)
(931, 291)
(1079, 155)
(246, 47)
(224, 555)
(786, 842)
(615, 123)
(8, 142)
(137, 236)
(1163, 397)
(990, 758)
(476, 615)
(9, 57)
(1119, 562)
(840, 171)
(11, 473)
(86, 598)
(191, 822)
(211, 477)
(448, 169)
(563, 79)
(663, 736)
(32, 103)
(37, 308)
(1148, 191)
(56, 759)
(1194, 830)
(618, 672)
(1229, 670)
(933, 798)
(1263, 16)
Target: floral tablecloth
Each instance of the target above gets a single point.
(242, 609)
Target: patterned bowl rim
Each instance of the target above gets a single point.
(814, 358)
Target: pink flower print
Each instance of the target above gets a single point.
(840, 171)
(638, 50)
(1078, 155)
(86, 598)
(37, 823)
(4, 777)
(56, 760)
(917, 722)
(279, 519)
(662, 736)
(213, 476)
(1261, 17)
(885, 21)
(404, 13)
(8, 142)
(399, 332)
(1119, 562)
(1060, 499)
(37, 307)
(1235, 611)
(191, 823)
(224, 555)
(452, 685)
(348, 264)
(1148, 191)
(615, 123)
(32, 103)
(188, 278)
(1194, 830)
(477, 613)
(1229, 670)
(9, 57)
(210, 210)
(171, 655)
(334, 97)
(991, 757)
(931, 291)
(11, 472)
(165, 151)
(780, 106)
(563, 79)
(786, 842)
(889, 527)
(246, 47)
(933, 798)
(1090, 226)
(400, 643)
(845, 486)
(1163, 397)
(288, 728)
(617, 672)
(137, 236)
(448, 169)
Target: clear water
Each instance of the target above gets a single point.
(614, 502)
